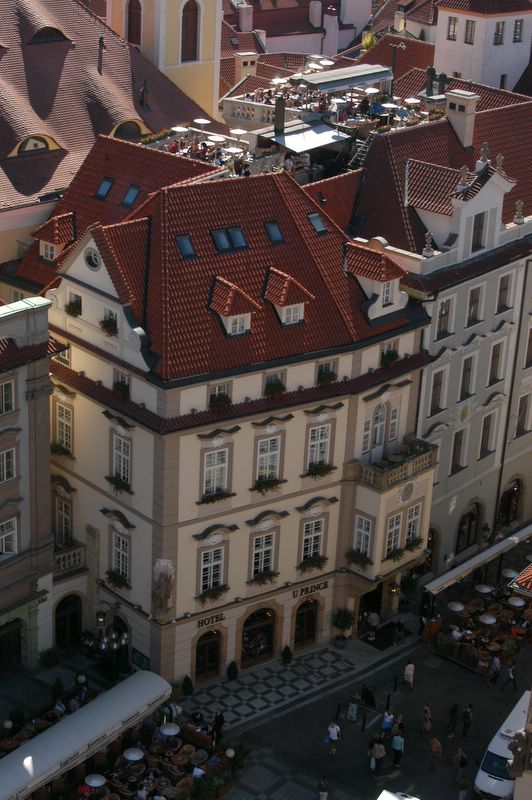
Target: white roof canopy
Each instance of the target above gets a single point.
(77, 736)
(455, 574)
(300, 136)
(336, 80)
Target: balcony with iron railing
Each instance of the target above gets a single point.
(412, 458)
(69, 559)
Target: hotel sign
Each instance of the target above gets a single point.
(312, 589)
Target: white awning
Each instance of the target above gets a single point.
(336, 80)
(77, 736)
(301, 136)
(455, 574)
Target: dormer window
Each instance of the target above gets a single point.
(238, 324)
(318, 223)
(48, 34)
(477, 242)
(32, 144)
(291, 315)
(130, 196)
(387, 293)
(104, 188)
(48, 251)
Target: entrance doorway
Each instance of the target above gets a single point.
(508, 510)
(257, 637)
(306, 622)
(371, 601)
(68, 621)
(208, 655)
(10, 646)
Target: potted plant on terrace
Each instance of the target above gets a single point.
(360, 559)
(116, 579)
(326, 377)
(274, 388)
(343, 620)
(212, 594)
(266, 576)
(264, 485)
(317, 470)
(119, 484)
(312, 562)
(388, 357)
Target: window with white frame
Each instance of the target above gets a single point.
(394, 424)
(7, 465)
(219, 389)
(63, 426)
(120, 554)
(503, 294)
(473, 305)
(523, 409)
(452, 28)
(437, 444)
(238, 324)
(75, 304)
(444, 318)
(64, 355)
(48, 251)
(469, 37)
(8, 537)
(518, 30)
(263, 553)
(363, 533)
(212, 568)
(215, 470)
(291, 315)
(319, 445)
(63, 521)
(7, 397)
(498, 35)
(268, 457)
(387, 293)
(495, 371)
(379, 425)
(393, 533)
(366, 436)
(413, 522)
(312, 538)
(487, 435)
(121, 452)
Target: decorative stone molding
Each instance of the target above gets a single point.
(210, 530)
(219, 432)
(314, 501)
(264, 515)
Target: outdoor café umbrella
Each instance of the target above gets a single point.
(482, 588)
(95, 780)
(170, 729)
(487, 619)
(372, 90)
(454, 605)
(133, 754)
(516, 602)
(508, 572)
(412, 101)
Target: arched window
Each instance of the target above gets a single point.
(48, 34)
(31, 144)
(468, 528)
(134, 21)
(189, 31)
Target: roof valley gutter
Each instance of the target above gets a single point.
(146, 272)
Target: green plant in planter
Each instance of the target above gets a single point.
(286, 655)
(118, 484)
(223, 494)
(109, 326)
(395, 555)
(73, 308)
(360, 559)
(116, 579)
(57, 449)
(316, 470)
(414, 544)
(232, 671)
(212, 594)
(343, 619)
(264, 485)
(219, 402)
(312, 562)
(388, 357)
(274, 388)
(266, 576)
(326, 377)
(121, 388)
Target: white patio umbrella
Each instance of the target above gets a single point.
(516, 602)
(372, 90)
(454, 605)
(509, 573)
(483, 588)
(487, 619)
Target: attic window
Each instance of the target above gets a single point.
(48, 251)
(228, 239)
(31, 144)
(387, 293)
(48, 34)
(318, 223)
(274, 232)
(104, 188)
(234, 41)
(238, 324)
(130, 196)
(291, 315)
(186, 248)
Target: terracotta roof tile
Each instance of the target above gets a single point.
(58, 229)
(12, 356)
(228, 299)
(244, 42)
(283, 290)
(336, 195)
(415, 55)
(431, 186)
(372, 264)
(424, 11)
(486, 6)
(524, 579)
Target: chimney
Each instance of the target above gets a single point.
(314, 13)
(443, 80)
(245, 18)
(278, 118)
(430, 75)
(245, 64)
(461, 108)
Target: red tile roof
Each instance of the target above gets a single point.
(431, 187)
(423, 11)
(178, 323)
(283, 290)
(486, 6)
(415, 55)
(245, 42)
(336, 195)
(524, 580)
(278, 17)
(71, 91)
(373, 264)
(228, 299)
(381, 210)
(12, 356)
(125, 164)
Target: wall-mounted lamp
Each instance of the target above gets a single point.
(288, 583)
(393, 588)
(238, 599)
(187, 614)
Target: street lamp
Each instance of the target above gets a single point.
(398, 46)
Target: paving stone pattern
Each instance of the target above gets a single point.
(265, 689)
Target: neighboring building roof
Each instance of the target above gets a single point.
(174, 308)
(337, 195)
(70, 90)
(372, 264)
(523, 582)
(283, 290)
(125, 164)
(415, 55)
(432, 187)
(422, 11)
(284, 18)
(486, 6)
(412, 82)
(12, 356)
(235, 41)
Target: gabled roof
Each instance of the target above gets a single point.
(486, 6)
(228, 299)
(372, 264)
(336, 195)
(431, 187)
(125, 164)
(278, 17)
(283, 290)
(235, 41)
(415, 55)
(70, 90)
(423, 11)
(174, 306)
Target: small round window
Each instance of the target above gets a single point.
(92, 258)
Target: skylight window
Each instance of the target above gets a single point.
(104, 188)
(318, 223)
(186, 248)
(130, 196)
(228, 239)
(274, 232)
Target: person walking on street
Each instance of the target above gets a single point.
(495, 671)
(435, 752)
(463, 788)
(398, 748)
(378, 753)
(511, 677)
(373, 621)
(460, 762)
(453, 719)
(217, 726)
(467, 718)
(408, 675)
(323, 788)
(426, 725)
(334, 734)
